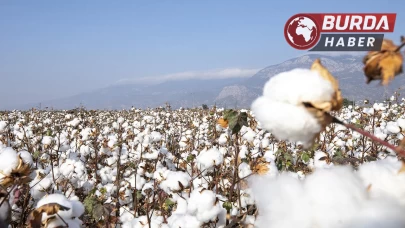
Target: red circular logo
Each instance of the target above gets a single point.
(301, 31)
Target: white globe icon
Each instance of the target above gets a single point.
(302, 31)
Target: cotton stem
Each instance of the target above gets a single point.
(400, 152)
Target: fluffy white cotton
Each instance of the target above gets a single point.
(244, 170)
(384, 179)
(3, 126)
(392, 127)
(8, 160)
(173, 180)
(204, 205)
(75, 208)
(337, 197)
(208, 158)
(183, 221)
(47, 140)
(286, 121)
(297, 86)
(280, 109)
(278, 199)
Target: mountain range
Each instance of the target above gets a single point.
(228, 93)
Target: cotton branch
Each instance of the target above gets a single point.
(400, 152)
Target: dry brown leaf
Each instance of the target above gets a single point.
(262, 166)
(337, 101)
(222, 122)
(383, 65)
(402, 169)
(35, 217)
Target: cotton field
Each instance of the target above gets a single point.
(184, 168)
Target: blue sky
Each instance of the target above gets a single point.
(53, 49)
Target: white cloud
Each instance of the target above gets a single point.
(209, 74)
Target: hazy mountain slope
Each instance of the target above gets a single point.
(347, 68)
(225, 92)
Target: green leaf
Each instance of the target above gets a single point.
(305, 157)
(190, 158)
(168, 204)
(98, 211)
(235, 120)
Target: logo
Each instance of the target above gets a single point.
(338, 32)
(302, 32)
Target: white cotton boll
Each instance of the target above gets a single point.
(155, 136)
(297, 86)
(378, 214)
(401, 123)
(208, 158)
(248, 134)
(247, 197)
(369, 111)
(183, 221)
(152, 155)
(59, 199)
(321, 160)
(173, 180)
(202, 204)
(384, 178)
(223, 139)
(26, 157)
(335, 195)
(8, 160)
(244, 170)
(265, 143)
(111, 161)
(3, 126)
(47, 140)
(120, 120)
(125, 214)
(77, 207)
(392, 127)
(290, 202)
(73, 123)
(286, 121)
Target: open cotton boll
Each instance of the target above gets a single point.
(26, 157)
(3, 126)
(204, 205)
(244, 170)
(59, 199)
(392, 127)
(378, 214)
(335, 195)
(183, 221)
(155, 136)
(286, 121)
(142, 222)
(281, 109)
(401, 123)
(172, 180)
(384, 179)
(281, 201)
(47, 140)
(8, 160)
(208, 158)
(297, 86)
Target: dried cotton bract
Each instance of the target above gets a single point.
(295, 103)
(383, 65)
